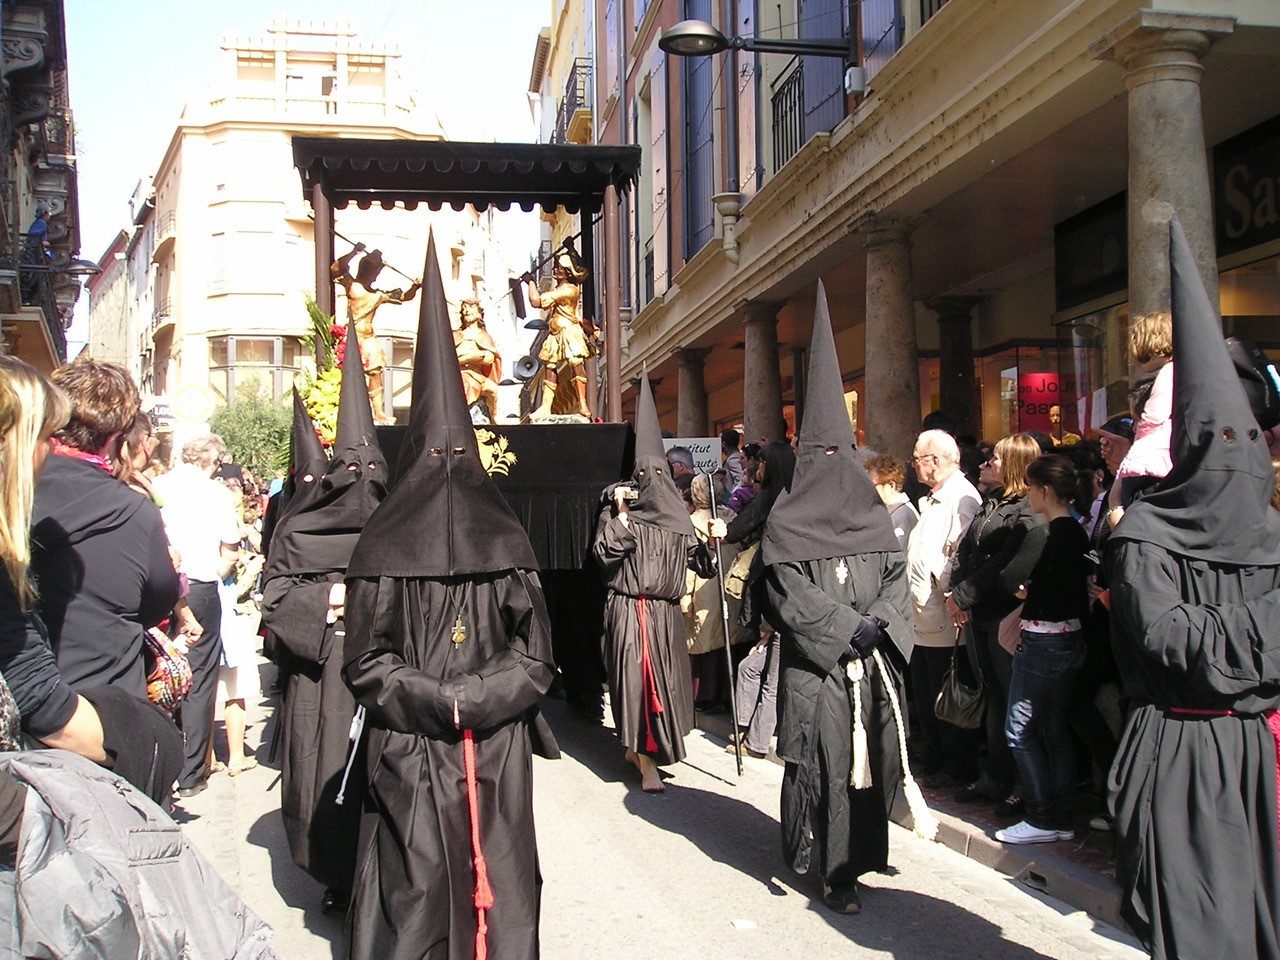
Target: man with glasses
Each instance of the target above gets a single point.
(948, 755)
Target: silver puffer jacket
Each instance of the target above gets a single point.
(104, 872)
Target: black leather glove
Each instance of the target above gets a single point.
(868, 635)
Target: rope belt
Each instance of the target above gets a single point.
(483, 894)
(648, 682)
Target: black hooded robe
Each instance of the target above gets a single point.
(816, 615)
(413, 890)
(645, 566)
(1194, 796)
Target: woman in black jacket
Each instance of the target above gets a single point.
(997, 553)
(776, 467)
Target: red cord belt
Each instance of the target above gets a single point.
(483, 893)
(648, 682)
(1272, 718)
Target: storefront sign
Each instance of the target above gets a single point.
(1039, 402)
(1246, 181)
(705, 450)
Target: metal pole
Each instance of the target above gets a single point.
(323, 234)
(612, 305)
(724, 617)
(731, 98)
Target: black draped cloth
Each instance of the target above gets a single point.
(413, 891)
(817, 605)
(646, 642)
(1193, 793)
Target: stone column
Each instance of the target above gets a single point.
(762, 380)
(892, 407)
(957, 381)
(1161, 55)
(691, 394)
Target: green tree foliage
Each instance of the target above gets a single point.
(255, 429)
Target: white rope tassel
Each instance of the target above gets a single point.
(357, 728)
(923, 822)
(860, 771)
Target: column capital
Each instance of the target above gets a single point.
(1161, 45)
(876, 229)
(953, 308)
(691, 356)
(761, 311)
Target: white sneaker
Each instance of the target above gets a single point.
(1102, 823)
(1023, 832)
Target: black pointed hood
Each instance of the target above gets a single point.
(831, 508)
(307, 459)
(445, 517)
(320, 535)
(1215, 503)
(658, 503)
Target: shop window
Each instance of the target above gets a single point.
(1250, 299)
(265, 366)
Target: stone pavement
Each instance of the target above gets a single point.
(693, 873)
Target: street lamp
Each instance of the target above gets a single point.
(697, 38)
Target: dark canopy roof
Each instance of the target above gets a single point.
(440, 172)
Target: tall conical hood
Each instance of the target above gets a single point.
(658, 502)
(831, 508)
(307, 459)
(355, 415)
(445, 517)
(1215, 503)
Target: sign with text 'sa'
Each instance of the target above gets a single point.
(705, 450)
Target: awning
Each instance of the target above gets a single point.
(444, 173)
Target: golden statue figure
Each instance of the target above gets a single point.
(363, 301)
(569, 342)
(478, 358)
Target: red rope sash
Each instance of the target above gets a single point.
(648, 682)
(483, 895)
(1272, 718)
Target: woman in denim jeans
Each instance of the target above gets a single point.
(1049, 656)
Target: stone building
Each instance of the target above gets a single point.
(976, 202)
(218, 254)
(39, 275)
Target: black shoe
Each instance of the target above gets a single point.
(940, 781)
(970, 794)
(842, 899)
(334, 900)
(185, 792)
(1011, 806)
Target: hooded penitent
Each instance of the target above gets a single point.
(318, 532)
(309, 555)
(1194, 574)
(658, 503)
(445, 516)
(1215, 503)
(307, 459)
(448, 650)
(831, 508)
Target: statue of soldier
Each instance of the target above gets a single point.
(363, 301)
(570, 341)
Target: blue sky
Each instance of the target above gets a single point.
(134, 63)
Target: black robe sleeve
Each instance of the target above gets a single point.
(820, 627)
(296, 610)
(405, 699)
(893, 603)
(614, 542)
(701, 560)
(1227, 649)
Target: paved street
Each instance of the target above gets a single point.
(694, 873)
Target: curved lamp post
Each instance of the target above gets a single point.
(697, 38)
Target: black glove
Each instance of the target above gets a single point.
(868, 635)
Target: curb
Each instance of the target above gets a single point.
(1037, 867)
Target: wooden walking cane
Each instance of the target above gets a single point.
(724, 616)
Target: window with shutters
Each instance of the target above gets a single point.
(823, 77)
(658, 264)
(881, 32)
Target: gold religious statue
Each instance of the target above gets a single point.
(1061, 436)
(363, 301)
(569, 342)
(478, 358)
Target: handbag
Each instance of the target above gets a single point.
(168, 672)
(958, 703)
(739, 572)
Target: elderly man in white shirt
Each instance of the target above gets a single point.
(201, 520)
(948, 754)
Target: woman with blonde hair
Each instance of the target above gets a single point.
(996, 554)
(701, 607)
(49, 711)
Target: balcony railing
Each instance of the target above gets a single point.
(929, 7)
(573, 118)
(788, 114)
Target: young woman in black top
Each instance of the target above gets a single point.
(1049, 656)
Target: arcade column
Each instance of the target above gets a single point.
(957, 382)
(892, 364)
(691, 393)
(762, 381)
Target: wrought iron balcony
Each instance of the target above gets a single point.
(573, 117)
(788, 113)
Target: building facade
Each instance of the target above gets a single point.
(39, 284)
(979, 207)
(219, 252)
